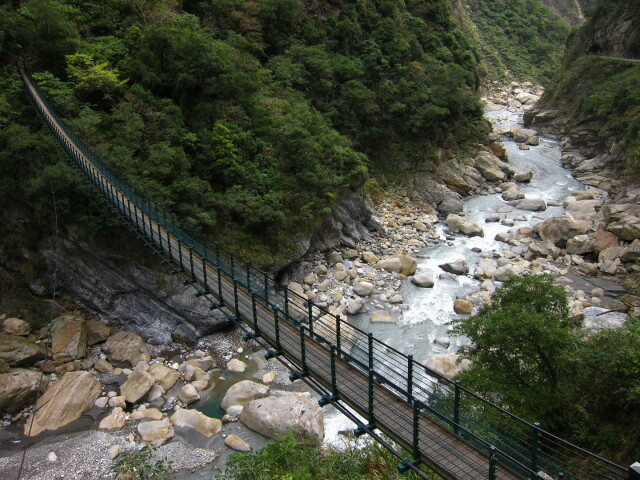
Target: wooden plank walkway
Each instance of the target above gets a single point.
(449, 455)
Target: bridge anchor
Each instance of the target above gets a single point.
(327, 399)
(362, 429)
(406, 464)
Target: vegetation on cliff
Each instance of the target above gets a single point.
(245, 119)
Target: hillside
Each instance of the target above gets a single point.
(573, 11)
(593, 99)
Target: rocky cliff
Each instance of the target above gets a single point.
(571, 10)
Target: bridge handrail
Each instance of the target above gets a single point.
(424, 390)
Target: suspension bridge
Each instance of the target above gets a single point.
(436, 422)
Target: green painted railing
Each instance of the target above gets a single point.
(507, 440)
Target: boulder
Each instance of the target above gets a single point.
(623, 220)
(596, 319)
(18, 388)
(631, 252)
(512, 193)
(447, 365)
(15, 326)
(138, 384)
(97, 332)
(523, 176)
(393, 265)
(530, 204)
(543, 249)
(236, 443)
(64, 402)
(610, 254)
(422, 280)
(102, 366)
(523, 135)
(68, 337)
(504, 272)
(580, 244)
(485, 268)
(397, 298)
(188, 394)
(382, 318)
(408, 265)
(603, 240)
(459, 267)
(126, 348)
(334, 257)
(363, 289)
(243, 392)
(4, 366)
(462, 307)
(205, 363)
(354, 305)
(164, 376)
(115, 421)
(559, 229)
(18, 351)
(444, 342)
(236, 365)
(197, 421)
(150, 413)
(456, 223)
(274, 416)
(156, 432)
(489, 166)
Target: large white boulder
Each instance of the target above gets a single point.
(196, 420)
(456, 223)
(244, 392)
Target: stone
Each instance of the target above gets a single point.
(485, 268)
(363, 289)
(101, 402)
(489, 166)
(156, 432)
(321, 270)
(596, 319)
(18, 388)
(5, 367)
(114, 451)
(422, 280)
(310, 279)
(334, 257)
(354, 305)
(610, 254)
(522, 134)
(64, 402)
(389, 264)
(512, 193)
(623, 220)
(559, 229)
(505, 237)
(156, 392)
(188, 394)
(18, 351)
(16, 326)
(524, 146)
(274, 416)
(382, 318)
(631, 252)
(197, 421)
(462, 307)
(126, 348)
(580, 244)
(118, 401)
(447, 365)
(459, 267)
(68, 337)
(397, 298)
(236, 443)
(102, 366)
(444, 342)
(543, 249)
(206, 362)
(150, 413)
(234, 410)
(243, 392)
(97, 332)
(370, 257)
(523, 176)
(166, 377)
(52, 457)
(115, 421)
(530, 204)
(236, 365)
(138, 384)
(492, 218)
(456, 223)
(268, 377)
(408, 265)
(603, 240)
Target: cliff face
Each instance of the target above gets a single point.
(573, 11)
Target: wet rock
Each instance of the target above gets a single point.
(18, 388)
(422, 280)
(126, 348)
(389, 264)
(459, 267)
(462, 307)
(196, 420)
(236, 443)
(18, 351)
(485, 268)
(354, 305)
(156, 432)
(236, 365)
(456, 223)
(408, 265)
(447, 365)
(16, 326)
(156, 392)
(397, 298)
(64, 402)
(523, 176)
(512, 193)
(444, 342)
(273, 416)
(243, 392)
(493, 218)
(530, 204)
(363, 289)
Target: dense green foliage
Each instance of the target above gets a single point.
(289, 459)
(246, 119)
(528, 356)
(522, 37)
(140, 465)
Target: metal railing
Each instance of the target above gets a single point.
(514, 448)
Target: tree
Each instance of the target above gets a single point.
(92, 80)
(521, 343)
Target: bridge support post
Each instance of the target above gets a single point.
(327, 399)
(456, 408)
(303, 359)
(310, 316)
(248, 277)
(493, 461)
(409, 377)
(220, 297)
(286, 302)
(276, 321)
(338, 339)
(535, 440)
(266, 288)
